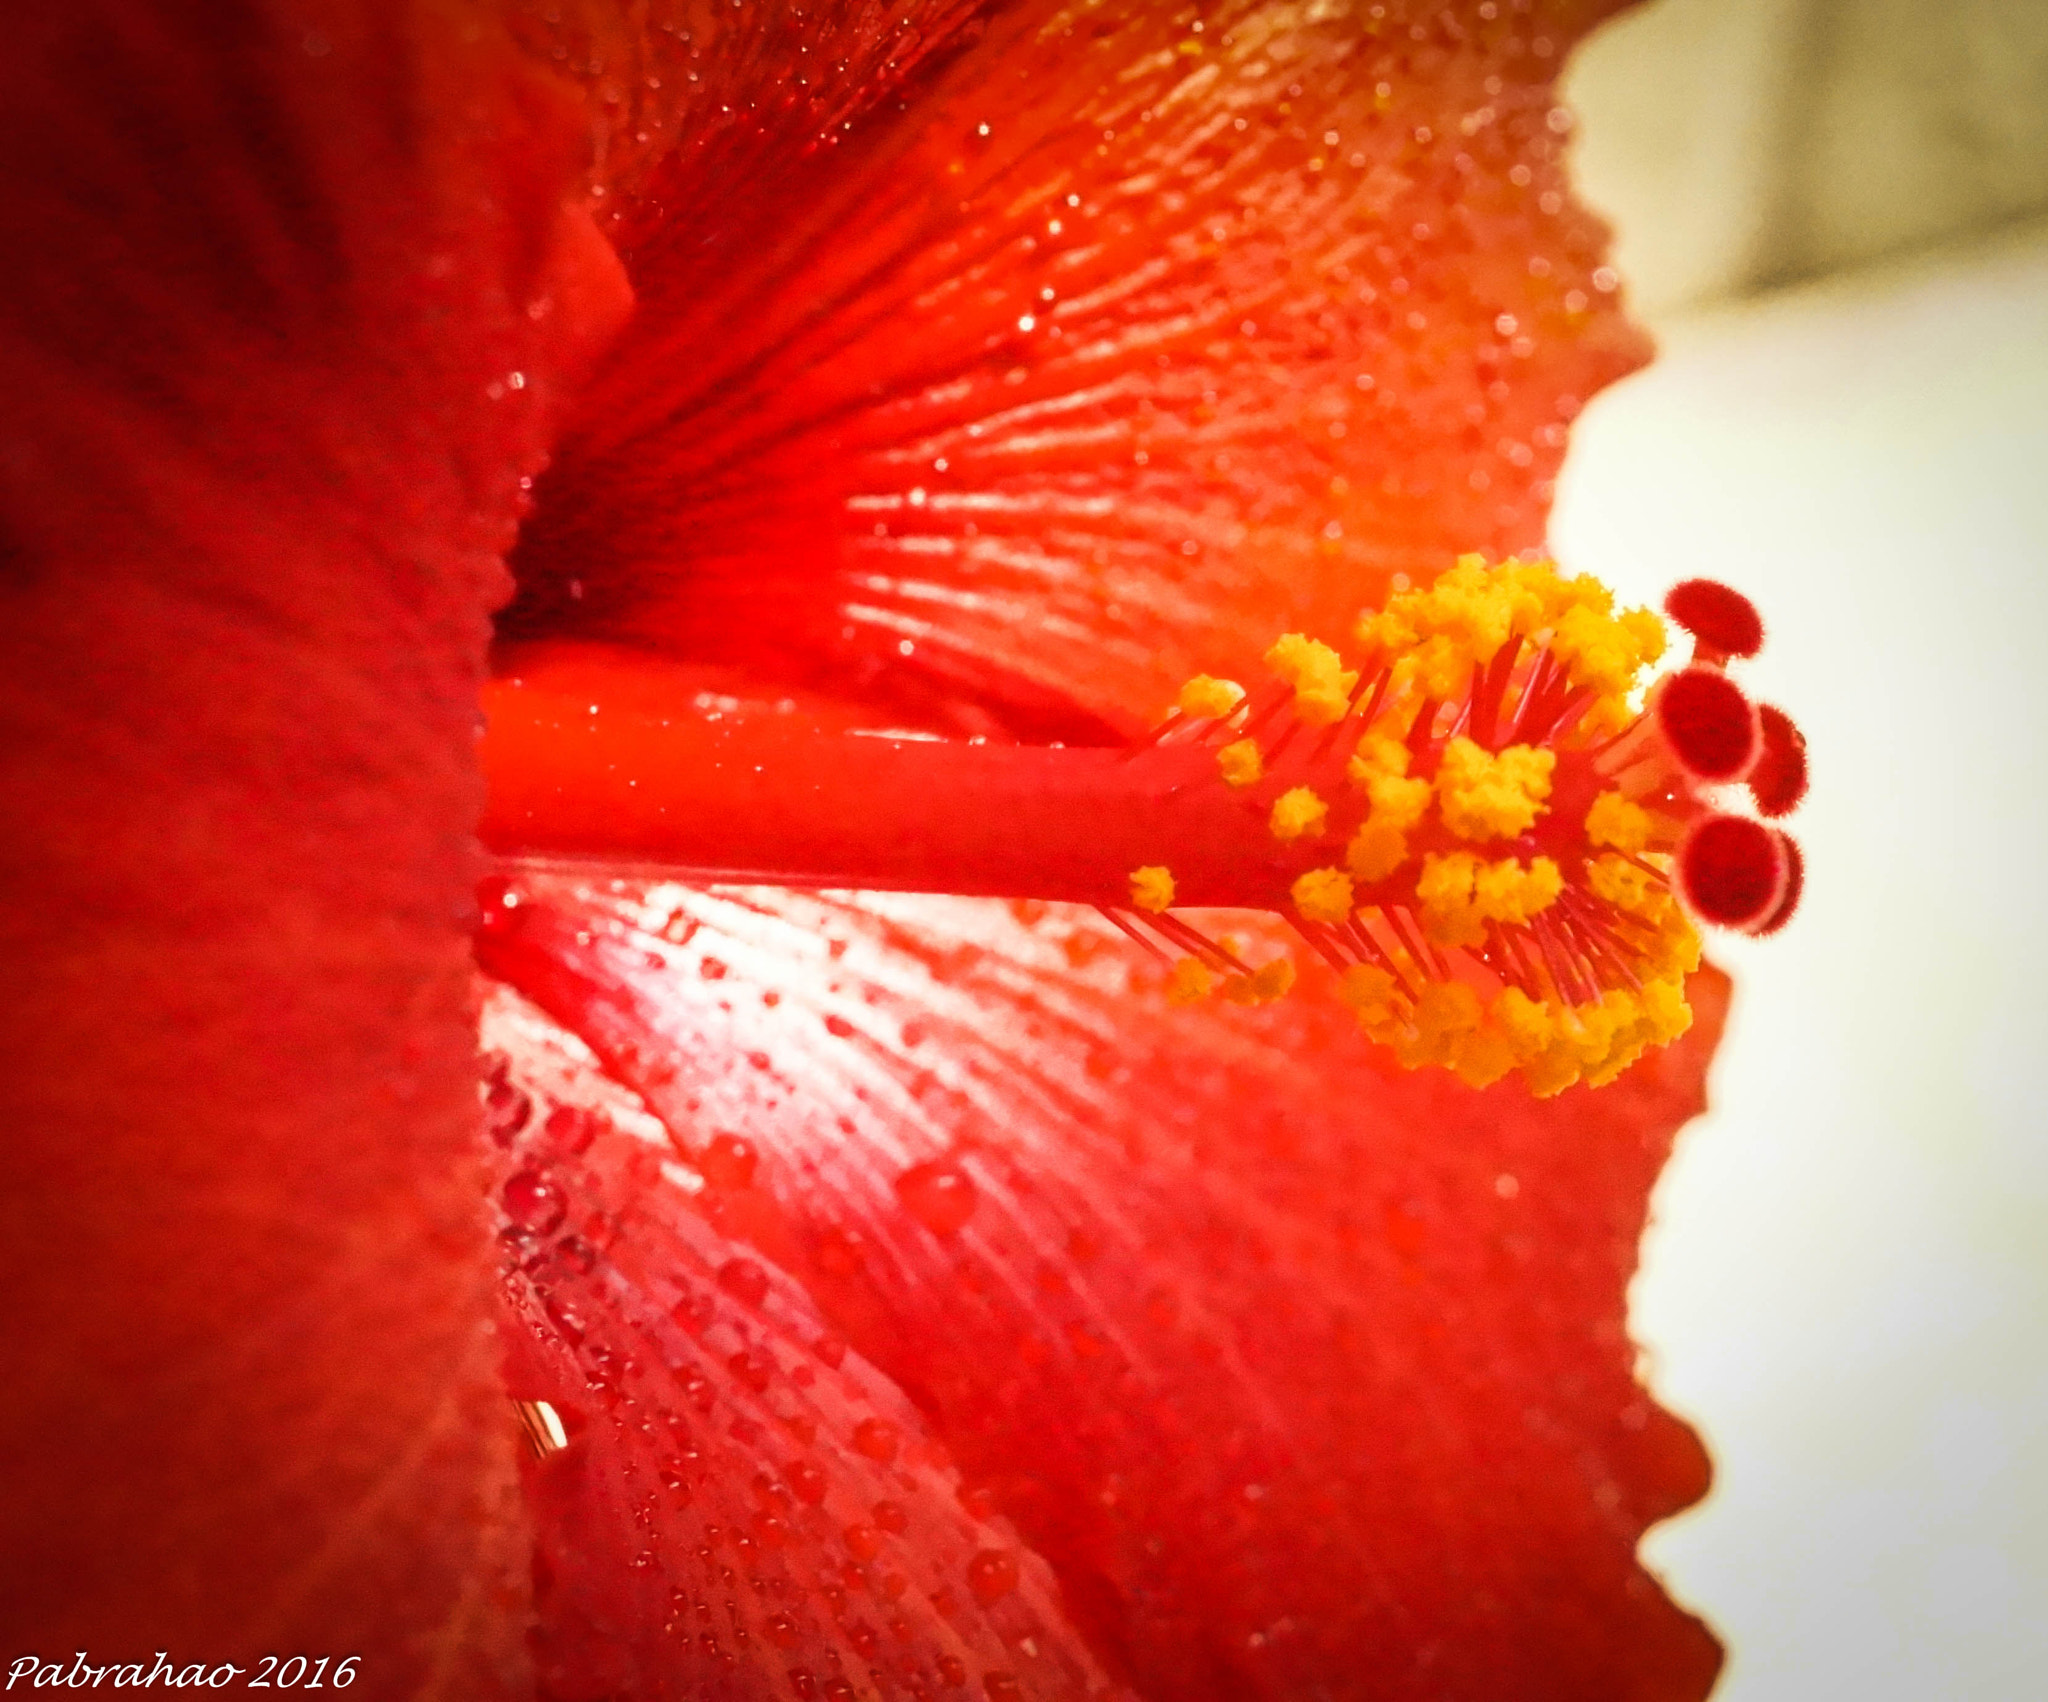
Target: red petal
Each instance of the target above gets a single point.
(253, 495)
(1114, 353)
(744, 1506)
(1305, 1377)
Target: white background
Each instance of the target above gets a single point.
(1846, 1287)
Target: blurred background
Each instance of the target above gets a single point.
(1834, 216)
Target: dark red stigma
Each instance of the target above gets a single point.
(1710, 725)
(1778, 781)
(1720, 619)
(1737, 873)
(1795, 884)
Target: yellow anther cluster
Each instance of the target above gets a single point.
(1380, 846)
(1510, 979)
(1322, 685)
(1614, 821)
(1459, 894)
(1152, 888)
(1482, 795)
(1240, 763)
(1435, 638)
(1189, 982)
(1378, 753)
(1323, 895)
(1299, 814)
(1210, 698)
(1553, 1046)
(1603, 650)
(1627, 886)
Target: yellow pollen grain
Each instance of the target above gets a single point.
(1507, 892)
(1614, 821)
(1240, 763)
(1323, 895)
(1397, 802)
(1378, 754)
(1444, 889)
(1299, 814)
(1482, 795)
(1446, 1012)
(1375, 852)
(1152, 887)
(1601, 652)
(1322, 685)
(1209, 698)
(1632, 890)
(1189, 982)
(1265, 984)
(1368, 990)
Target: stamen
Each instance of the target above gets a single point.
(1735, 871)
(1708, 723)
(1475, 827)
(1722, 621)
(1778, 781)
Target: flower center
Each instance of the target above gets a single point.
(1476, 827)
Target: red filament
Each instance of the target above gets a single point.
(1734, 871)
(1719, 618)
(1778, 781)
(1709, 724)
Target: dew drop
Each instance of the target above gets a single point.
(496, 901)
(940, 1195)
(568, 1323)
(863, 1542)
(570, 1130)
(694, 1312)
(533, 1202)
(729, 1162)
(756, 1370)
(506, 1110)
(992, 1575)
(876, 1438)
(744, 1280)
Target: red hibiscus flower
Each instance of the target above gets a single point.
(902, 1299)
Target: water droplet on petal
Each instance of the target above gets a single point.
(506, 1109)
(533, 1202)
(729, 1162)
(992, 1575)
(876, 1438)
(570, 1129)
(940, 1195)
(744, 1280)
